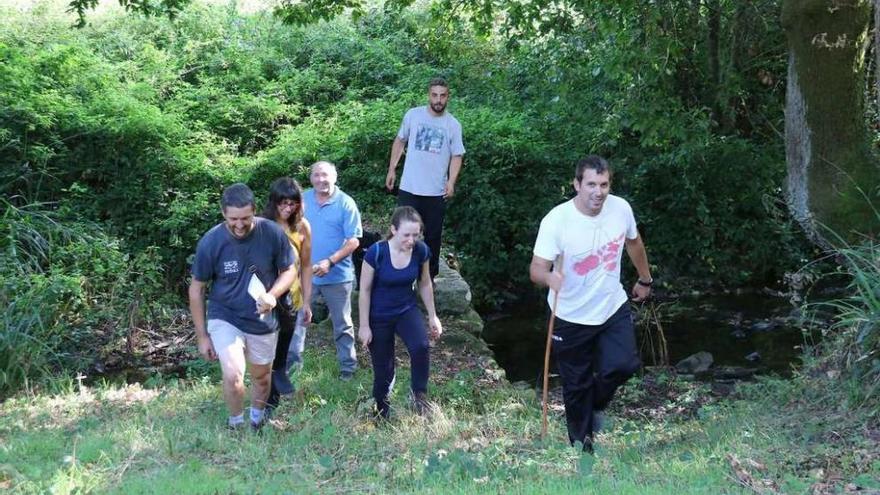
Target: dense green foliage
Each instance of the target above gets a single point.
(68, 290)
(137, 123)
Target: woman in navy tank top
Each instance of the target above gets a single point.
(388, 307)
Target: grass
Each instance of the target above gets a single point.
(856, 332)
(667, 436)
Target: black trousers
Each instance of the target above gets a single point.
(432, 210)
(410, 326)
(593, 361)
(280, 381)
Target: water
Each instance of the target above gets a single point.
(731, 327)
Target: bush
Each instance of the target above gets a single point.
(70, 293)
(508, 183)
(137, 124)
(710, 210)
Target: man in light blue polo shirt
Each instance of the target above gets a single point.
(336, 226)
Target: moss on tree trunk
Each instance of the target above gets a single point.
(833, 175)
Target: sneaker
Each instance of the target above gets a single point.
(236, 428)
(346, 376)
(421, 405)
(258, 427)
(281, 383)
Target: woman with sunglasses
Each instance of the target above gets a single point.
(285, 206)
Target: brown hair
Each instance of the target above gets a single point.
(405, 214)
(594, 162)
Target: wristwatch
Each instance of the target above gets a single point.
(645, 284)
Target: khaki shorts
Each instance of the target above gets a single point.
(230, 342)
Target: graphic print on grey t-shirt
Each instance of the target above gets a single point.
(430, 138)
(230, 267)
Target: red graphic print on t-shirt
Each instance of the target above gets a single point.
(605, 257)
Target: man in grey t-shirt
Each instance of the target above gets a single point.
(432, 139)
(249, 265)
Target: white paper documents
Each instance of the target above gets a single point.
(256, 289)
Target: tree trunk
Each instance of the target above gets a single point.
(714, 49)
(877, 54)
(833, 175)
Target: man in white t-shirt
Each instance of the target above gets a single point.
(577, 255)
(434, 148)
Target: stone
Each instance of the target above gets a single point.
(452, 295)
(733, 373)
(723, 389)
(695, 363)
(471, 322)
(763, 326)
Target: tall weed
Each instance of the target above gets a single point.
(67, 288)
(856, 342)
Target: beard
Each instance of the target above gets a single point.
(438, 107)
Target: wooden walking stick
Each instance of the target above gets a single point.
(547, 358)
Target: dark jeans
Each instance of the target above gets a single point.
(280, 381)
(431, 209)
(593, 361)
(411, 328)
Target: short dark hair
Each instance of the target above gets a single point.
(594, 162)
(237, 196)
(282, 189)
(437, 81)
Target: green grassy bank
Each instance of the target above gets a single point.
(667, 436)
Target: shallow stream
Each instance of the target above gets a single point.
(739, 330)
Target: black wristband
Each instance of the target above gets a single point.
(332, 264)
(645, 284)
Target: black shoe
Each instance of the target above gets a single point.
(382, 412)
(382, 417)
(421, 405)
(598, 421)
(587, 447)
(346, 376)
(257, 428)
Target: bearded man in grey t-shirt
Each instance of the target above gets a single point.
(431, 137)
